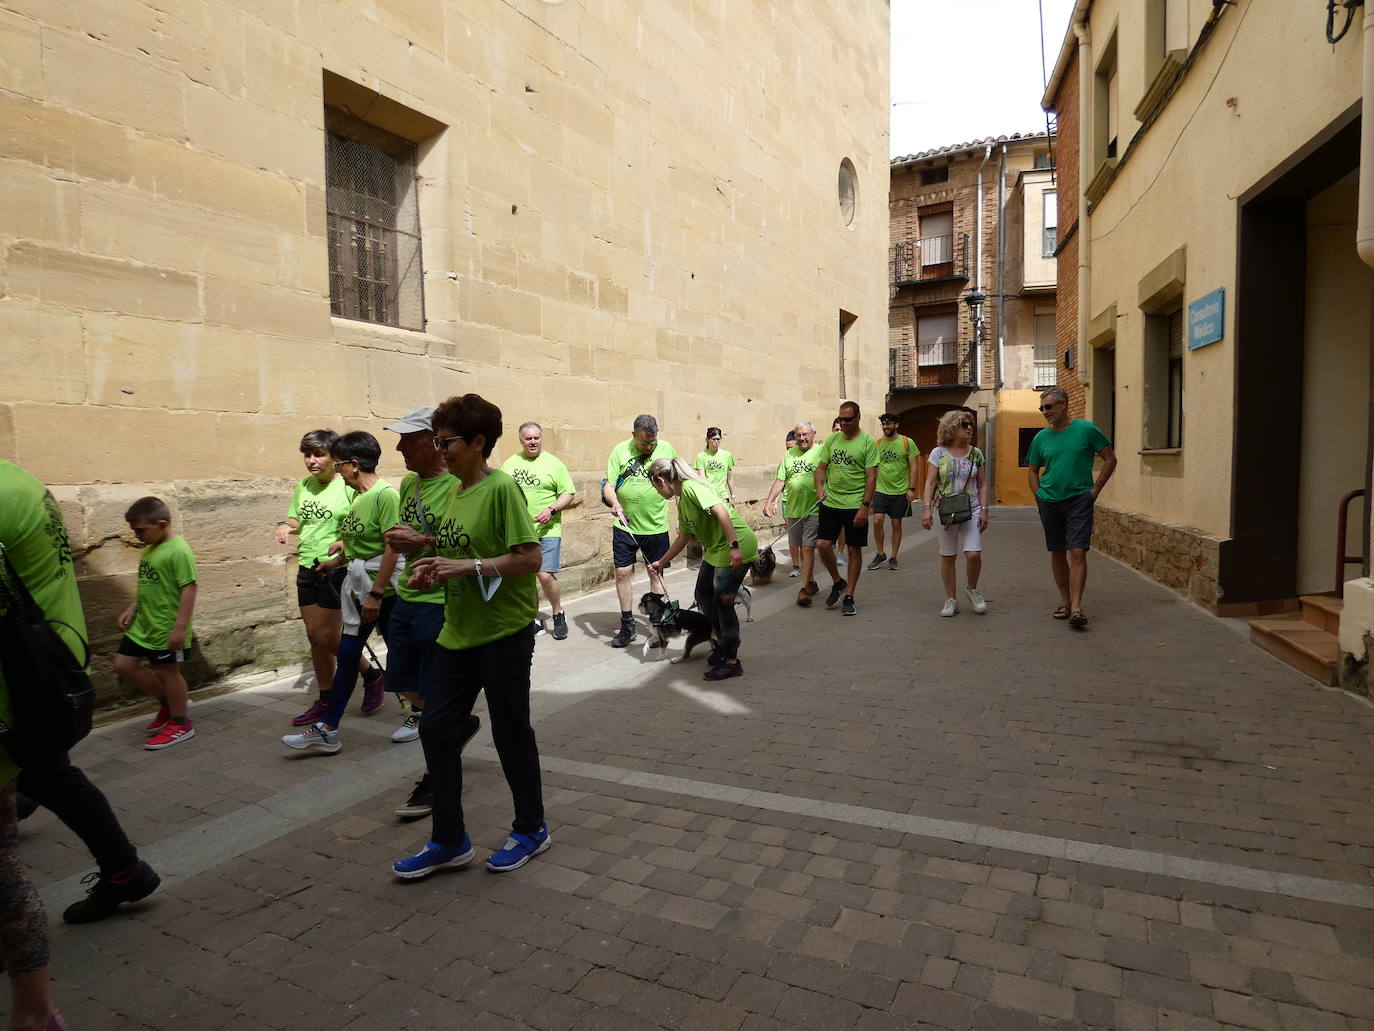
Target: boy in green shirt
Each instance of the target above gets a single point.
(157, 626)
(899, 481)
(846, 478)
(548, 491)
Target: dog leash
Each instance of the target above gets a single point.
(808, 514)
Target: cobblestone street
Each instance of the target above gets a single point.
(890, 821)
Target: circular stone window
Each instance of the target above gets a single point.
(849, 189)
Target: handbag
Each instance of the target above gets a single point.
(50, 691)
(958, 507)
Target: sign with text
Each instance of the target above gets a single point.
(1207, 319)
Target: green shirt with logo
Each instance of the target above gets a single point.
(893, 471)
(797, 471)
(846, 465)
(695, 517)
(543, 479)
(373, 512)
(715, 468)
(1065, 458)
(319, 508)
(645, 510)
(163, 570)
(35, 540)
(433, 499)
(485, 521)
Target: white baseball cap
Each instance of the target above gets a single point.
(414, 421)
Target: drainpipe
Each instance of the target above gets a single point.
(1364, 232)
(990, 439)
(978, 272)
(1085, 174)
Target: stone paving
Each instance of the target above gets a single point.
(892, 821)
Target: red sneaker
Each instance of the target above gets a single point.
(163, 715)
(374, 694)
(311, 715)
(170, 734)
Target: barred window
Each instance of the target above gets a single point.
(375, 273)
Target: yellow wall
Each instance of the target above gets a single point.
(1016, 409)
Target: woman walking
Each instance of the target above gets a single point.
(715, 465)
(956, 469)
(729, 547)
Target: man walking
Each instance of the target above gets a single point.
(1065, 493)
(846, 478)
(548, 491)
(899, 482)
(640, 514)
(795, 480)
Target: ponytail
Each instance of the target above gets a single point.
(673, 470)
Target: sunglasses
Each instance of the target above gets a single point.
(442, 443)
(966, 425)
(1050, 407)
(845, 418)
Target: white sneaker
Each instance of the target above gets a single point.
(951, 607)
(795, 572)
(539, 630)
(839, 560)
(980, 604)
(314, 738)
(409, 730)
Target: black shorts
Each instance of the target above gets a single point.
(155, 658)
(894, 506)
(312, 589)
(833, 520)
(624, 545)
(1069, 523)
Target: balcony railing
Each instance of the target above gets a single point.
(930, 258)
(945, 363)
(1046, 372)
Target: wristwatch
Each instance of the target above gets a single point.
(734, 544)
(379, 595)
(866, 504)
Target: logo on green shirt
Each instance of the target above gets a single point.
(309, 510)
(147, 574)
(56, 530)
(451, 535)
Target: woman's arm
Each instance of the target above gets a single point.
(722, 515)
(673, 551)
(928, 494)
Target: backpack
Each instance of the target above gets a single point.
(50, 690)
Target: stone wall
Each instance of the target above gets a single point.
(1179, 557)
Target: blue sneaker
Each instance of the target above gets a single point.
(519, 849)
(433, 857)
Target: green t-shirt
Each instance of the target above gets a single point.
(645, 510)
(163, 570)
(797, 471)
(542, 479)
(893, 471)
(35, 539)
(319, 508)
(372, 513)
(715, 468)
(1065, 458)
(694, 516)
(434, 495)
(486, 521)
(846, 464)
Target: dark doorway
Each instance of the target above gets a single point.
(919, 423)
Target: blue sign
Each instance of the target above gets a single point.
(1207, 319)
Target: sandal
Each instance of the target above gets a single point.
(1078, 619)
(1062, 612)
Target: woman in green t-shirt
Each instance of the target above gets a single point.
(729, 547)
(717, 467)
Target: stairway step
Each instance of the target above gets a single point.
(1300, 644)
(1323, 610)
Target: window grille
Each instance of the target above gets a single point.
(375, 273)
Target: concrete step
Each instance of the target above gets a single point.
(1297, 642)
(1323, 611)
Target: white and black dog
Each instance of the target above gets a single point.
(667, 621)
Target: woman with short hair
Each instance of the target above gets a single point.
(717, 467)
(956, 467)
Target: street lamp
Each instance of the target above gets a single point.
(975, 299)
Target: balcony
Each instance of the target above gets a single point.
(924, 366)
(932, 259)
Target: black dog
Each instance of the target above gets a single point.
(667, 621)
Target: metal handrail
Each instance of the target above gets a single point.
(1342, 523)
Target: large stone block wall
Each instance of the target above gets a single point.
(1179, 557)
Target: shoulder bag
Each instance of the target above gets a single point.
(958, 507)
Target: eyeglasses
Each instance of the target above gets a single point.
(442, 443)
(339, 465)
(1051, 406)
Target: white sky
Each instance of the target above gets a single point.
(966, 69)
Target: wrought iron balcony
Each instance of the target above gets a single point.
(930, 259)
(943, 363)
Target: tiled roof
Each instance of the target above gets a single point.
(961, 148)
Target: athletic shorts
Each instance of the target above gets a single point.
(833, 520)
(549, 551)
(412, 637)
(894, 506)
(801, 533)
(154, 657)
(312, 589)
(1068, 523)
(624, 545)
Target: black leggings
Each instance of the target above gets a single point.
(715, 595)
(59, 786)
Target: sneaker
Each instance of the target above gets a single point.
(975, 596)
(158, 721)
(878, 560)
(795, 572)
(315, 738)
(724, 671)
(847, 607)
(374, 693)
(108, 893)
(812, 588)
(539, 630)
(951, 607)
(836, 593)
(433, 857)
(409, 730)
(624, 636)
(421, 800)
(715, 658)
(519, 849)
(311, 715)
(892, 563)
(840, 557)
(560, 626)
(171, 733)
(804, 598)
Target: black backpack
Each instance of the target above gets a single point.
(50, 690)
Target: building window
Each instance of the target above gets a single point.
(846, 323)
(1050, 235)
(373, 224)
(1174, 432)
(1042, 159)
(1106, 104)
(1046, 359)
(1164, 380)
(848, 191)
(931, 176)
(937, 238)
